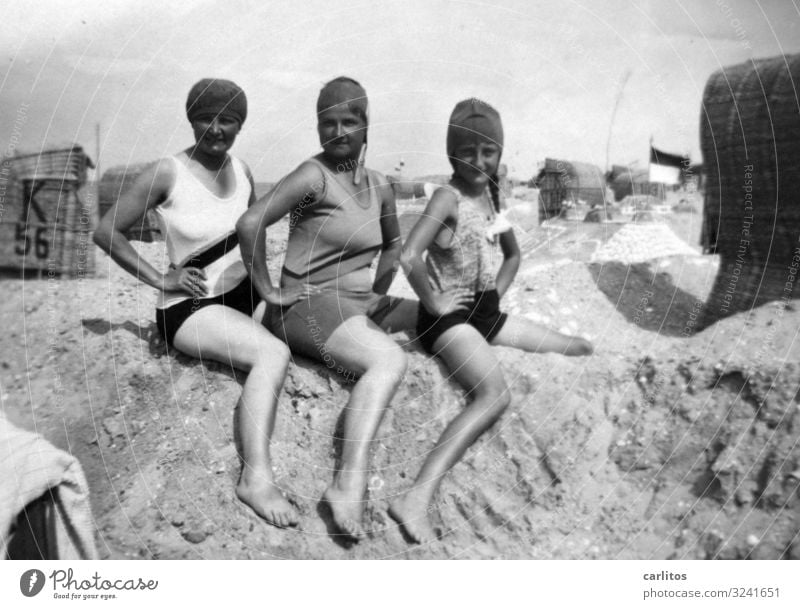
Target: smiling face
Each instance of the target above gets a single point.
(215, 133)
(341, 133)
(476, 161)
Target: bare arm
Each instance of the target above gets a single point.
(301, 187)
(511, 259)
(149, 189)
(392, 244)
(440, 210)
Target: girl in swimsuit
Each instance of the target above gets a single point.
(472, 258)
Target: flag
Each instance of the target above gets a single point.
(666, 168)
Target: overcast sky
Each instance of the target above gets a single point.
(554, 70)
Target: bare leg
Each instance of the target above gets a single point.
(524, 334)
(226, 335)
(360, 346)
(470, 359)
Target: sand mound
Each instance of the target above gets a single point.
(635, 243)
(658, 446)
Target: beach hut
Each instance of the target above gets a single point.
(568, 183)
(750, 139)
(626, 181)
(47, 213)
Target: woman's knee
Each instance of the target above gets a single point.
(390, 364)
(496, 395)
(270, 351)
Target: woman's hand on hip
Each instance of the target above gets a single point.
(186, 279)
(284, 297)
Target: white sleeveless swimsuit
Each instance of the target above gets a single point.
(192, 219)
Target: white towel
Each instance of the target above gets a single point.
(30, 467)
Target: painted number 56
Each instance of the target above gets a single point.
(41, 246)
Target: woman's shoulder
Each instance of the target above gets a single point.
(160, 174)
(312, 172)
(382, 184)
(312, 164)
(244, 168)
(306, 182)
(237, 162)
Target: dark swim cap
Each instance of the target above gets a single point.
(472, 120)
(218, 97)
(344, 91)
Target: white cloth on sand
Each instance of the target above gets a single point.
(30, 467)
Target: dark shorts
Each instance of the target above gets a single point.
(484, 316)
(306, 325)
(243, 298)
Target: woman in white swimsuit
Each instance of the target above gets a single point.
(207, 307)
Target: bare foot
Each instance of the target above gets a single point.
(347, 510)
(413, 516)
(266, 500)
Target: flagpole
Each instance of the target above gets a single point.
(649, 164)
(622, 83)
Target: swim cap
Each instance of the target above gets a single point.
(471, 120)
(348, 92)
(344, 91)
(218, 97)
